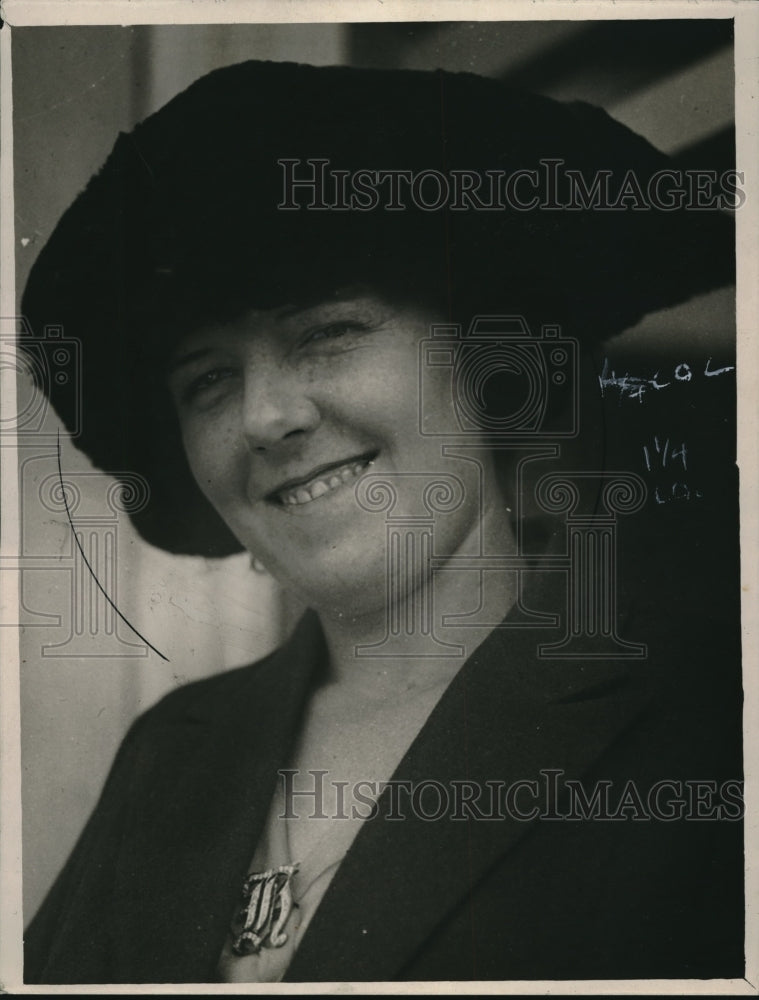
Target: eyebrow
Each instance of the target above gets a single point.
(345, 294)
(186, 359)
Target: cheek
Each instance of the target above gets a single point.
(384, 393)
(212, 448)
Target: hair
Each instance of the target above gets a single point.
(181, 228)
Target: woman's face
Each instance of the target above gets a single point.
(283, 411)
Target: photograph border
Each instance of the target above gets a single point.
(22, 13)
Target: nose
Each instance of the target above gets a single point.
(276, 407)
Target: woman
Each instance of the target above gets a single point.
(273, 279)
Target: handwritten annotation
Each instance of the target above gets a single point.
(636, 386)
(661, 457)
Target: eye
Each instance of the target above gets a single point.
(203, 384)
(332, 331)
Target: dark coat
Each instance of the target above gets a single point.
(148, 892)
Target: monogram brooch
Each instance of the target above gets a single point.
(267, 901)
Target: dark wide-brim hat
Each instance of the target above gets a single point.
(190, 221)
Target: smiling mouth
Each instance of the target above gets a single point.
(324, 480)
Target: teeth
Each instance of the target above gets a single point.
(318, 487)
(318, 490)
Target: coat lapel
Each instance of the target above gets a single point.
(211, 778)
(505, 717)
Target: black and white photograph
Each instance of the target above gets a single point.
(375, 580)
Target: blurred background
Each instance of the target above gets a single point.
(84, 673)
